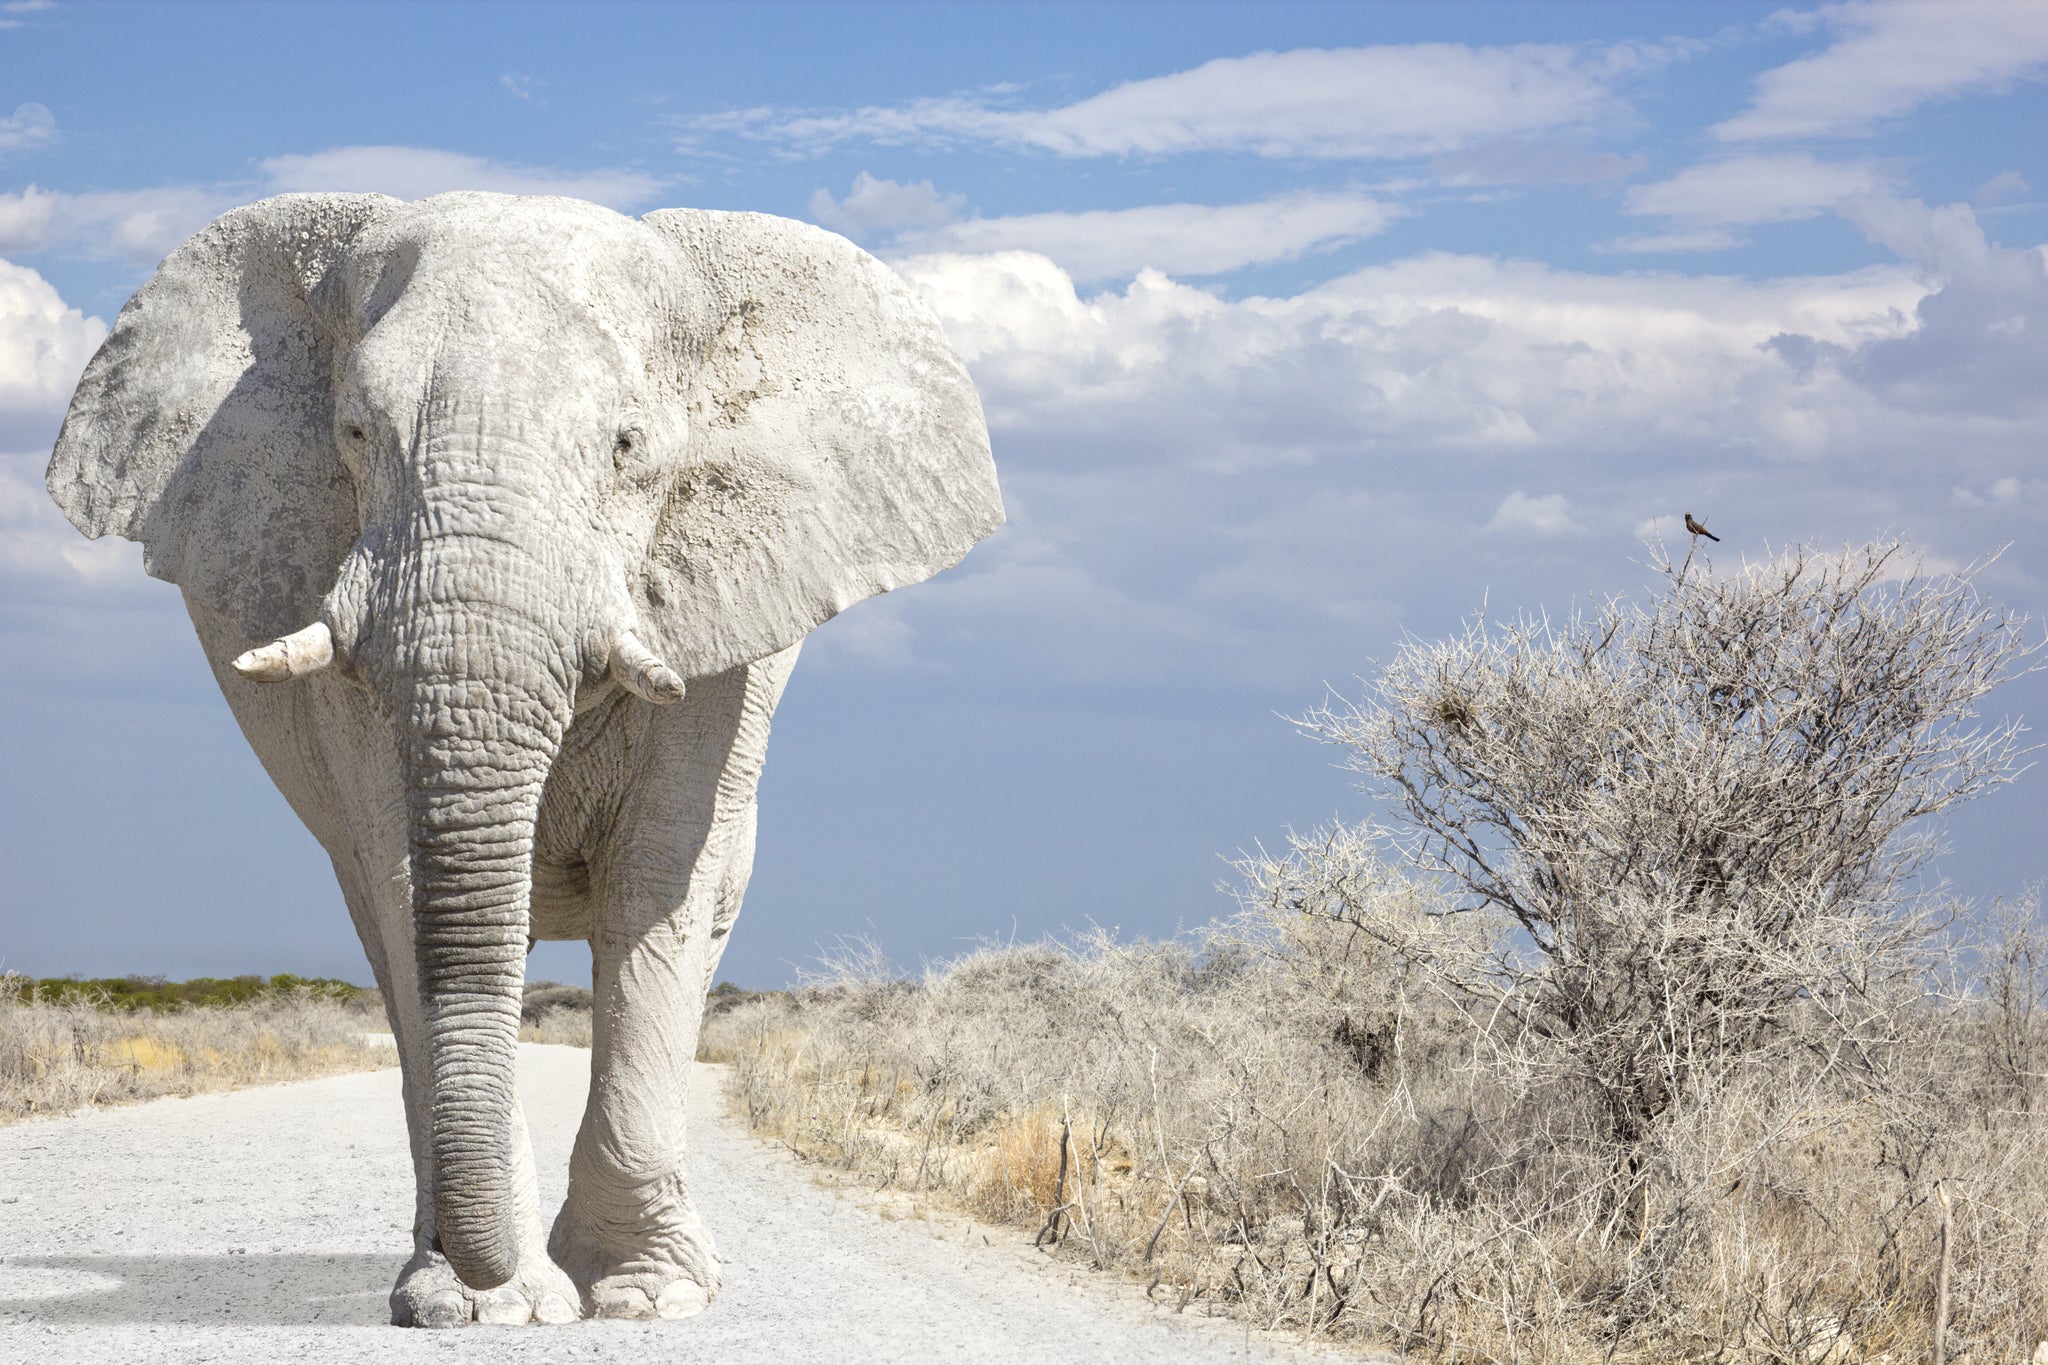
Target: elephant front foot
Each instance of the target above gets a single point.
(654, 1262)
(428, 1294)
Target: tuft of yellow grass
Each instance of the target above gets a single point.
(57, 1057)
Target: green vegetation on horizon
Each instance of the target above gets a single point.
(155, 993)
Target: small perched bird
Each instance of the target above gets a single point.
(1699, 530)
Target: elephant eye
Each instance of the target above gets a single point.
(624, 445)
(355, 433)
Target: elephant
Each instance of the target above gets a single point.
(501, 520)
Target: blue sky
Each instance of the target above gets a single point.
(1299, 326)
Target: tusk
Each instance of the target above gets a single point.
(294, 656)
(641, 672)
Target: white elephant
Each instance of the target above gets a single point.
(501, 520)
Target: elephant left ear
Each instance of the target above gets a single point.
(837, 447)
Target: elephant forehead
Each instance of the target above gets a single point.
(531, 264)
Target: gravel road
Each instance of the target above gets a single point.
(267, 1225)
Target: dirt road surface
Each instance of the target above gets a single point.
(267, 1225)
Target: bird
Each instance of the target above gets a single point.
(1700, 530)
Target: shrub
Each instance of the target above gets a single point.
(1629, 1036)
(1658, 839)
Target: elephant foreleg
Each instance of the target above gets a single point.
(671, 883)
(332, 757)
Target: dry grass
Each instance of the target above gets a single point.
(1277, 1124)
(561, 1024)
(58, 1057)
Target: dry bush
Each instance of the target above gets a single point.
(1634, 1042)
(57, 1057)
(1669, 836)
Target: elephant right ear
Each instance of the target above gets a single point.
(203, 425)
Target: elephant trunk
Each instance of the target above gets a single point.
(488, 698)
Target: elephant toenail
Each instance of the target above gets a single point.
(445, 1309)
(684, 1298)
(503, 1306)
(623, 1303)
(553, 1308)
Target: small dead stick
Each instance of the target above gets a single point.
(1941, 1283)
(1059, 1191)
(1152, 1242)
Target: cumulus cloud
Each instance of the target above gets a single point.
(1702, 202)
(142, 226)
(1520, 513)
(1889, 59)
(133, 225)
(1363, 102)
(1979, 345)
(29, 126)
(875, 205)
(1223, 487)
(1439, 350)
(1179, 239)
(43, 347)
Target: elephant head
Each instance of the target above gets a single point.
(490, 458)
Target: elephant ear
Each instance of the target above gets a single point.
(836, 448)
(203, 425)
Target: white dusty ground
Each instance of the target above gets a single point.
(267, 1225)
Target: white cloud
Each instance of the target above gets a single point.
(875, 205)
(1521, 513)
(1979, 344)
(38, 545)
(2003, 188)
(1746, 190)
(416, 172)
(1241, 490)
(519, 86)
(1363, 102)
(1701, 239)
(1179, 239)
(30, 125)
(1437, 351)
(2006, 491)
(1889, 59)
(22, 7)
(43, 348)
(144, 225)
(136, 225)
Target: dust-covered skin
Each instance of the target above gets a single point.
(501, 521)
(256, 1226)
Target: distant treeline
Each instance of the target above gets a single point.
(157, 993)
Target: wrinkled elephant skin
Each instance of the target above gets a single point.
(502, 520)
